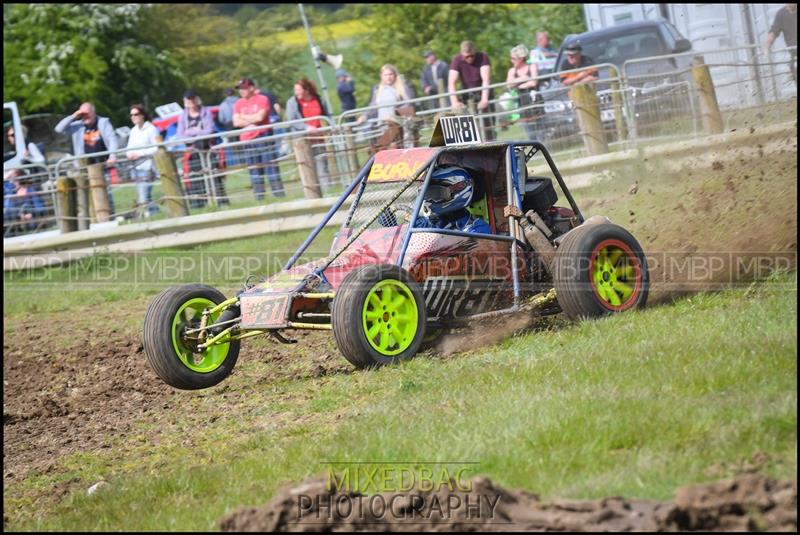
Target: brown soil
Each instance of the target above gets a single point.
(747, 503)
(63, 396)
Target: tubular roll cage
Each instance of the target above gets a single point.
(514, 198)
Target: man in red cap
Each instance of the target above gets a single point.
(250, 112)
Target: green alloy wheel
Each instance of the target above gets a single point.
(600, 269)
(172, 351)
(378, 316)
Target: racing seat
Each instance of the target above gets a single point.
(522, 168)
(479, 207)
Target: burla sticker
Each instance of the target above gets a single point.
(460, 130)
(398, 164)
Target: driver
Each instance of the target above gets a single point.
(450, 192)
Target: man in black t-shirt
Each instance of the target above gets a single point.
(785, 23)
(473, 69)
(92, 133)
(576, 60)
(93, 142)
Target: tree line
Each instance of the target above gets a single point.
(56, 56)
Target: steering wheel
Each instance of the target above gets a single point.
(405, 210)
(395, 215)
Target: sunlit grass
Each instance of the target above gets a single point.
(633, 405)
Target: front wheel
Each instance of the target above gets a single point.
(170, 340)
(600, 269)
(378, 316)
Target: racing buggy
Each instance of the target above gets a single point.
(434, 238)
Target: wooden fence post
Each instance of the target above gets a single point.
(306, 167)
(67, 199)
(83, 204)
(709, 108)
(99, 192)
(617, 102)
(173, 189)
(587, 108)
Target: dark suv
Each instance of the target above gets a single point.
(624, 42)
(615, 46)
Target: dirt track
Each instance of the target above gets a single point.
(66, 395)
(748, 503)
(61, 399)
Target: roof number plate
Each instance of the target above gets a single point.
(461, 130)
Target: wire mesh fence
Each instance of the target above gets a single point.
(29, 204)
(749, 88)
(643, 100)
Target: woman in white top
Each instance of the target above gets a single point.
(392, 90)
(387, 94)
(145, 135)
(519, 80)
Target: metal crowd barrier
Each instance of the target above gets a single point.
(651, 98)
(549, 117)
(749, 87)
(29, 204)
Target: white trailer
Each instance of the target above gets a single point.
(711, 28)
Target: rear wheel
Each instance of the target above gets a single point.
(378, 316)
(171, 346)
(600, 269)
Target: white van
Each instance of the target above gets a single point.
(12, 154)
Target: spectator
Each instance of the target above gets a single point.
(434, 73)
(250, 112)
(91, 133)
(307, 103)
(276, 116)
(543, 55)
(518, 80)
(346, 88)
(391, 91)
(196, 120)
(32, 154)
(275, 110)
(225, 123)
(387, 94)
(785, 23)
(22, 203)
(225, 114)
(143, 138)
(474, 70)
(576, 60)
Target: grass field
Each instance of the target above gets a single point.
(632, 405)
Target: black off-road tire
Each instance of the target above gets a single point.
(160, 350)
(349, 315)
(600, 269)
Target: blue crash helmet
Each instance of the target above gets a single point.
(450, 190)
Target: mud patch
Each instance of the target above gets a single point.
(747, 503)
(490, 331)
(89, 388)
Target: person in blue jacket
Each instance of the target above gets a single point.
(22, 203)
(450, 192)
